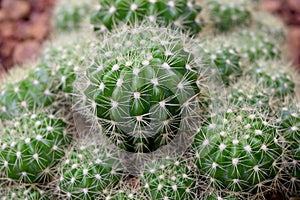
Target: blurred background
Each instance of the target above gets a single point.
(25, 24)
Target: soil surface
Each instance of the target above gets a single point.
(24, 25)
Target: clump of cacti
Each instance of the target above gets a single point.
(140, 86)
(238, 151)
(180, 14)
(164, 108)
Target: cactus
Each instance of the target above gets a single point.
(70, 15)
(254, 45)
(238, 151)
(141, 95)
(32, 146)
(224, 60)
(25, 95)
(226, 15)
(169, 179)
(24, 193)
(278, 81)
(88, 172)
(249, 93)
(181, 14)
(271, 25)
(289, 125)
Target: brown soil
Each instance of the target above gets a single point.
(24, 25)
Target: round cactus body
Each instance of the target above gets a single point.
(238, 151)
(172, 179)
(70, 14)
(254, 45)
(289, 125)
(277, 80)
(223, 60)
(32, 147)
(181, 14)
(24, 193)
(247, 93)
(88, 173)
(225, 15)
(26, 95)
(141, 87)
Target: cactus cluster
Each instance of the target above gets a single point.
(148, 105)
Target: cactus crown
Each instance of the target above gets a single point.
(141, 86)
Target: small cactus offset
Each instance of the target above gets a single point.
(70, 15)
(289, 125)
(238, 151)
(226, 15)
(224, 60)
(278, 81)
(141, 87)
(171, 179)
(32, 146)
(88, 172)
(24, 193)
(181, 14)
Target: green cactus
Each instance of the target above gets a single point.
(88, 172)
(140, 87)
(23, 193)
(255, 45)
(226, 15)
(249, 93)
(27, 94)
(32, 146)
(238, 151)
(271, 25)
(279, 81)
(289, 125)
(223, 59)
(171, 179)
(69, 15)
(181, 14)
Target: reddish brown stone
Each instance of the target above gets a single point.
(7, 47)
(7, 28)
(294, 4)
(16, 9)
(25, 51)
(270, 5)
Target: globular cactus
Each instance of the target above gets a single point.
(270, 25)
(181, 14)
(88, 172)
(70, 15)
(226, 15)
(249, 93)
(21, 192)
(289, 126)
(32, 146)
(171, 179)
(25, 95)
(254, 45)
(238, 152)
(142, 86)
(223, 60)
(277, 77)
